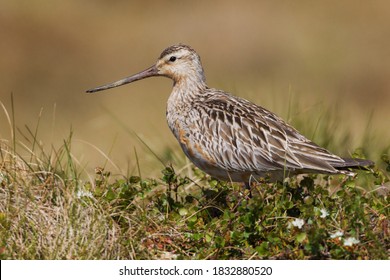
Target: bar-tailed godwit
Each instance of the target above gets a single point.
(229, 137)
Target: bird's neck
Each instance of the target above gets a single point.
(186, 89)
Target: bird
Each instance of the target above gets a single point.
(231, 138)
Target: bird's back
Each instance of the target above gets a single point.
(233, 139)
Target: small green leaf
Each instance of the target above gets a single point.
(300, 237)
(308, 200)
(263, 249)
(193, 219)
(209, 237)
(213, 183)
(110, 195)
(183, 211)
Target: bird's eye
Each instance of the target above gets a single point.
(172, 58)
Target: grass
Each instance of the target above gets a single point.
(49, 211)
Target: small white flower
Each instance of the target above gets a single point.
(298, 223)
(324, 213)
(350, 241)
(338, 233)
(82, 193)
(168, 256)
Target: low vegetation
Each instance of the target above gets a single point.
(51, 208)
(48, 212)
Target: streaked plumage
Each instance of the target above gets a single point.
(229, 137)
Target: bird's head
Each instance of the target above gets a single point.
(178, 62)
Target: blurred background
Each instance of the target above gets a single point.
(300, 59)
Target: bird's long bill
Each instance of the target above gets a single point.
(150, 72)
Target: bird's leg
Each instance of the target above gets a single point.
(248, 187)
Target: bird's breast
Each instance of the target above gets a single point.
(189, 135)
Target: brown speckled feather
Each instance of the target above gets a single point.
(242, 139)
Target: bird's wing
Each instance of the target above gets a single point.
(240, 135)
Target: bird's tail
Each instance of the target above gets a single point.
(355, 163)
